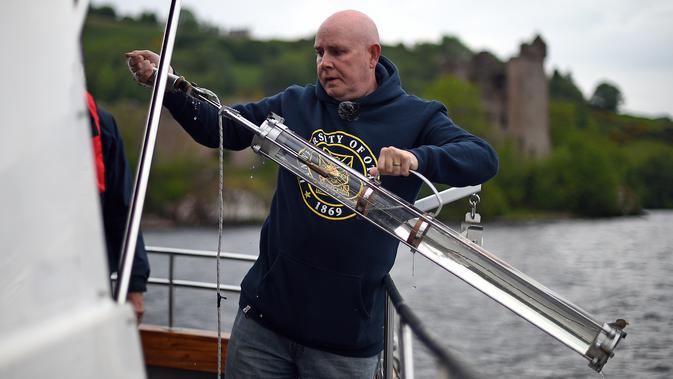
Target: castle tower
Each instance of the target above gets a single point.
(528, 99)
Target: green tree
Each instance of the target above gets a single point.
(148, 18)
(562, 87)
(292, 67)
(607, 97)
(579, 179)
(188, 21)
(463, 101)
(655, 177)
(562, 91)
(105, 11)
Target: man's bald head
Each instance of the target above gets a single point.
(356, 24)
(347, 51)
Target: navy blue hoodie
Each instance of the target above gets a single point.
(116, 200)
(319, 276)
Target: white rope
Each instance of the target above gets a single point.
(219, 246)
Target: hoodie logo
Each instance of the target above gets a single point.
(351, 151)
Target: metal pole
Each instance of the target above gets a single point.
(145, 161)
(406, 352)
(171, 261)
(448, 195)
(389, 342)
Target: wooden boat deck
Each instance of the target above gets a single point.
(180, 352)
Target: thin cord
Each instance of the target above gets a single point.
(219, 248)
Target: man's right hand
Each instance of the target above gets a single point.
(141, 64)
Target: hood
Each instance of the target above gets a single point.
(388, 79)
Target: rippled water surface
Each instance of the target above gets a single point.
(612, 268)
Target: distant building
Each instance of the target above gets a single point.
(528, 99)
(515, 95)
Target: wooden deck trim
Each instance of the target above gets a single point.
(187, 349)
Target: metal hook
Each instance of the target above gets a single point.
(474, 200)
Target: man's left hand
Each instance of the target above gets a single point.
(137, 300)
(394, 162)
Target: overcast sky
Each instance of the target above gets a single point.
(628, 42)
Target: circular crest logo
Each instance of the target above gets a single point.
(351, 151)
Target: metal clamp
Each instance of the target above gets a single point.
(268, 132)
(362, 204)
(418, 232)
(603, 346)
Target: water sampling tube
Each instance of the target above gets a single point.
(447, 248)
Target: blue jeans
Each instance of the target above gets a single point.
(257, 352)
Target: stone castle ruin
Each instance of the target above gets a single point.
(515, 95)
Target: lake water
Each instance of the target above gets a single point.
(612, 268)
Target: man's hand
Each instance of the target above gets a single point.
(395, 162)
(141, 64)
(137, 300)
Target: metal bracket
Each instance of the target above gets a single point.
(604, 346)
(471, 228)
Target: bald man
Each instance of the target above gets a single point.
(312, 305)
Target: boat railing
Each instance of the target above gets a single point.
(448, 366)
(173, 283)
(400, 320)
